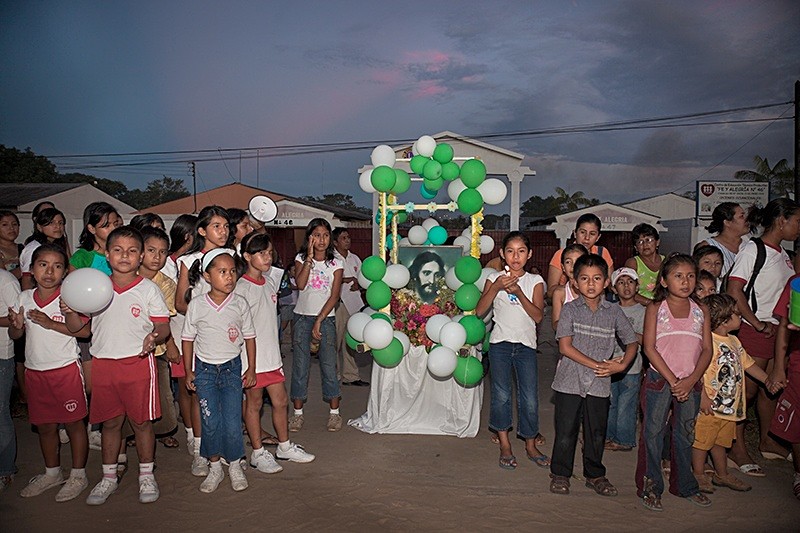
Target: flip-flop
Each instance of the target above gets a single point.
(508, 462)
(749, 469)
(772, 456)
(542, 461)
(169, 442)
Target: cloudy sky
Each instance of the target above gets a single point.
(99, 78)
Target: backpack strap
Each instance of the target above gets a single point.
(761, 258)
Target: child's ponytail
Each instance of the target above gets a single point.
(194, 277)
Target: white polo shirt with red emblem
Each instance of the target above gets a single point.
(218, 331)
(46, 349)
(262, 298)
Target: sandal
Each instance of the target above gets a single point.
(559, 484)
(699, 499)
(751, 469)
(508, 462)
(169, 442)
(541, 461)
(602, 486)
(652, 502)
(269, 440)
(796, 489)
(617, 447)
(538, 440)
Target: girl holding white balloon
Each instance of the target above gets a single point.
(517, 300)
(319, 279)
(54, 376)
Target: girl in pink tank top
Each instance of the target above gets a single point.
(677, 341)
(569, 291)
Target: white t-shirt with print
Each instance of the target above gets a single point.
(263, 301)
(511, 322)
(9, 294)
(218, 331)
(46, 349)
(318, 288)
(118, 331)
(351, 299)
(771, 279)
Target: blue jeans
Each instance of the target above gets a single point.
(656, 402)
(219, 390)
(301, 357)
(506, 360)
(624, 410)
(8, 438)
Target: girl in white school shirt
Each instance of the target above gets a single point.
(259, 286)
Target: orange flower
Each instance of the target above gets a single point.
(428, 310)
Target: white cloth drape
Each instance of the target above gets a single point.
(407, 399)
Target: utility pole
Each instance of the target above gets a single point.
(194, 186)
(796, 140)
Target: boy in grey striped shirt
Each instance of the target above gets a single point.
(587, 333)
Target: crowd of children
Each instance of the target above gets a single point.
(662, 344)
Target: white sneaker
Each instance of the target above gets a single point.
(39, 484)
(63, 437)
(199, 466)
(148, 489)
(95, 440)
(190, 445)
(212, 480)
(263, 461)
(295, 453)
(72, 488)
(102, 491)
(238, 480)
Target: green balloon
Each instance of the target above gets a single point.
(382, 316)
(437, 235)
(473, 172)
(389, 215)
(475, 328)
(467, 296)
(468, 269)
(434, 184)
(443, 153)
(373, 269)
(351, 342)
(426, 193)
(402, 216)
(450, 171)
(379, 294)
(383, 178)
(391, 355)
(417, 164)
(432, 170)
(486, 339)
(402, 182)
(468, 372)
(470, 201)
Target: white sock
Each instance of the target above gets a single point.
(52, 472)
(215, 465)
(189, 433)
(298, 412)
(258, 451)
(335, 411)
(77, 473)
(110, 471)
(284, 446)
(197, 445)
(146, 469)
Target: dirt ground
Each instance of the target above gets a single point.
(362, 482)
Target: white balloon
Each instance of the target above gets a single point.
(356, 324)
(429, 223)
(426, 145)
(454, 188)
(451, 280)
(363, 282)
(382, 155)
(434, 326)
(442, 362)
(378, 334)
(404, 340)
(457, 318)
(464, 242)
(493, 191)
(487, 244)
(87, 290)
(397, 276)
(369, 311)
(417, 235)
(453, 335)
(403, 242)
(263, 208)
(467, 232)
(485, 272)
(364, 181)
(414, 148)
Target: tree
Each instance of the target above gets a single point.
(25, 167)
(780, 177)
(538, 207)
(157, 192)
(570, 202)
(114, 188)
(342, 201)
